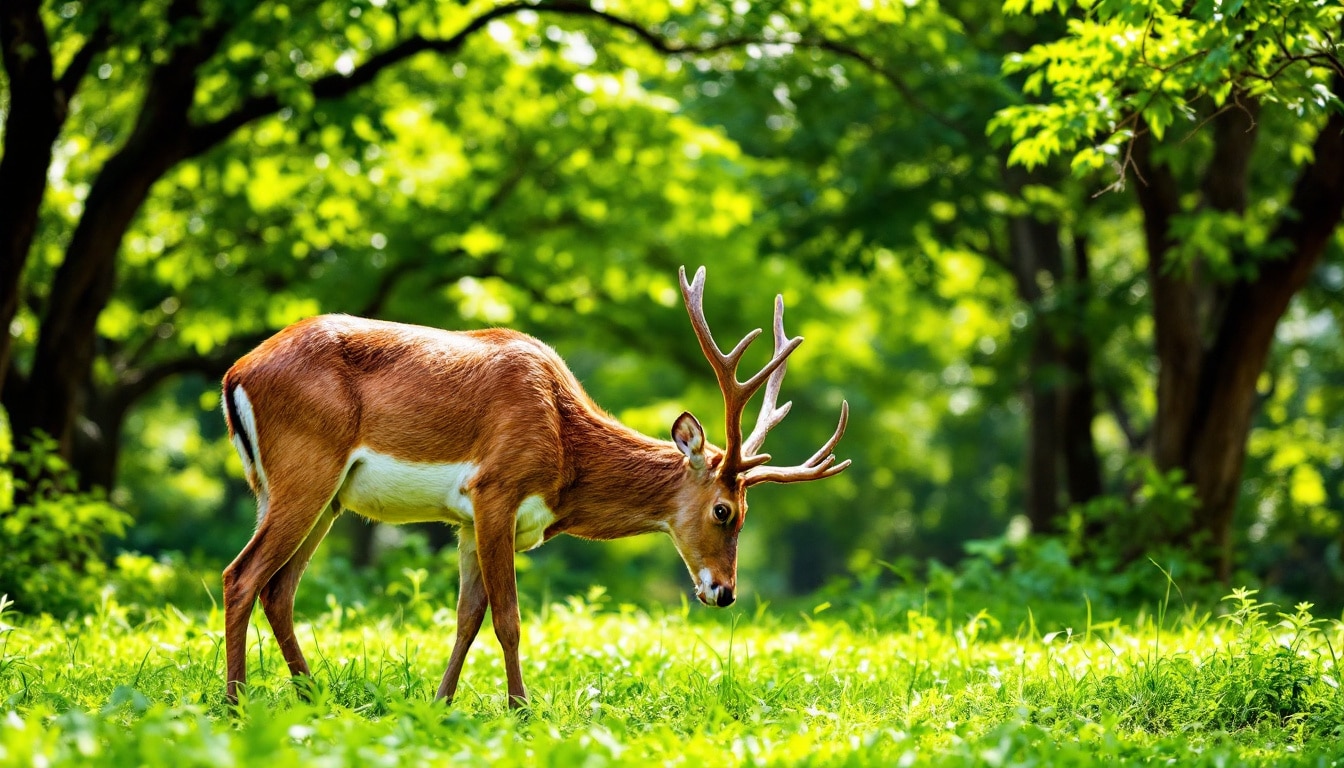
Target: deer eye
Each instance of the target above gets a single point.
(722, 513)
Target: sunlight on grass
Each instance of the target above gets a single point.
(896, 682)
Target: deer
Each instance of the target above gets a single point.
(490, 431)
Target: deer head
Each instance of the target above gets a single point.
(713, 504)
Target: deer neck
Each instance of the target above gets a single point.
(622, 484)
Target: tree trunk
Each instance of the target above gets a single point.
(1176, 331)
(1034, 253)
(808, 563)
(1078, 406)
(1043, 433)
(1060, 397)
(1234, 363)
(34, 118)
(96, 443)
(84, 282)
(38, 106)
(1207, 394)
(361, 531)
(83, 286)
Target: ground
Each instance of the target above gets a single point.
(897, 678)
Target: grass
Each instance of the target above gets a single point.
(893, 679)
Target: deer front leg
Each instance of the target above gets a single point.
(471, 603)
(496, 513)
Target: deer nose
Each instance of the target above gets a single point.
(725, 598)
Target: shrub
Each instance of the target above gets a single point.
(51, 534)
(1126, 549)
(1121, 535)
(171, 578)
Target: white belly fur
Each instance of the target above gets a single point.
(391, 490)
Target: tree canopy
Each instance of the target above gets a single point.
(1075, 266)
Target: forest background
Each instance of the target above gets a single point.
(1075, 266)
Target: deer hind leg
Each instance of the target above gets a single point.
(296, 506)
(277, 597)
(471, 604)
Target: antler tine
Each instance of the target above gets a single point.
(736, 393)
(797, 474)
(822, 464)
(770, 415)
(725, 365)
(693, 294)
(835, 438)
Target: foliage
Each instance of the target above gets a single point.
(1125, 536)
(52, 536)
(961, 680)
(1109, 551)
(1128, 66)
(138, 580)
(552, 172)
(1226, 118)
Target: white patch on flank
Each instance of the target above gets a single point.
(248, 426)
(393, 490)
(533, 518)
(706, 589)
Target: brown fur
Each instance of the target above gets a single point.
(497, 398)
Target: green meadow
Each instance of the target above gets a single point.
(900, 678)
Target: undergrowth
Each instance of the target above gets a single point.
(902, 678)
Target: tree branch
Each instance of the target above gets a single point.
(894, 80)
(68, 83)
(25, 46)
(650, 38)
(1318, 196)
(334, 86)
(136, 383)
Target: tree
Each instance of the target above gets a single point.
(1234, 223)
(1226, 120)
(202, 73)
(889, 157)
(527, 178)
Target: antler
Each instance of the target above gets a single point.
(770, 415)
(822, 464)
(741, 457)
(736, 393)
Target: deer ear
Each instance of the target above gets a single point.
(690, 439)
